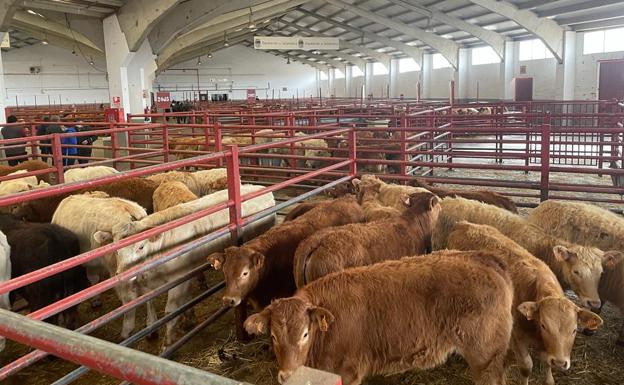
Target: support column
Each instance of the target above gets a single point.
(349, 81)
(566, 71)
(331, 82)
(128, 72)
(368, 79)
(507, 70)
(427, 70)
(394, 78)
(3, 95)
(462, 75)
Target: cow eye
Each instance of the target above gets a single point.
(273, 337)
(245, 273)
(141, 247)
(577, 272)
(543, 327)
(574, 332)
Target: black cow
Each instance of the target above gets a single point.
(35, 246)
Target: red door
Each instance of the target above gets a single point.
(523, 89)
(611, 83)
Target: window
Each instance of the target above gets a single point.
(379, 69)
(323, 75)
(338, 74)
(440, 61)
(408, 65)
(534, 50)
(484, 55)
(356, 72)
(609, 40)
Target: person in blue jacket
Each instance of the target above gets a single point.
(69, 150)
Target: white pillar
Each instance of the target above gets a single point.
(507, 69)
(331, 79)
(462, 75)
(566, 71)
(394, 78)
(368, 79)
(427, 70)
(3, 95)
(348, 81)
(128, 72)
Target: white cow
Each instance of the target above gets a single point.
(5, 275)
(18, 185)
(91, 172)
(139, 252)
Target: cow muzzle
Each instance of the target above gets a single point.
(231, 301)
(283, 376)
(561, 364)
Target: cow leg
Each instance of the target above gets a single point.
(175, 298)
(550, 380)
(523, 358)
(152, 316)
(128, 292)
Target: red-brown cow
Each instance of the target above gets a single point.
(395, 316)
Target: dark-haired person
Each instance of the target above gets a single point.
(85, 152)
(44, 147)
(12, 132)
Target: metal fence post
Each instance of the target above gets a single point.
(114, 144)
(352, 152)
(234, 196)
(217, 141)
(545, 159)
(165, 136)
(33, 144)
(57, 158)
(403, 146)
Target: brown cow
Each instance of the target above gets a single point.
(373, 208)
(138, 190)
(484, 196)
(29, 165)
(543, 316)
(392, 195)
(301, 209)
(395, 316)
(262, 269)
(359, 244)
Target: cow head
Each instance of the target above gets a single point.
(293, 324)
(137, 252)
(558, 319)
(423, 202)
(242, 268)
(582, 268)
(366, 192)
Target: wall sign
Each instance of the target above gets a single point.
(116, 102)
(251, 95)
(296, 42)
(163, 100)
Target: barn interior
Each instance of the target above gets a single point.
(146, 144)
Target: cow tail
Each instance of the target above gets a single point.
(302, 258)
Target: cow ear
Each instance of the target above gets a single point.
(588, 319)
(611, 258)
(563, 254)
(355, 182)
(258, 323)
(433, 201)
(528, 309)
(103, 237)
(216, 260)
(322, 317)
(257, 259)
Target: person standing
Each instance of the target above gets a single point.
(44, 148)
(85, 141)
(12, 132)
(68, 144)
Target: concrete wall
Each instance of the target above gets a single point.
(407, 83)
(488, 78)
(440, 79)
(239, 68)
(64, 78)
(587, 70)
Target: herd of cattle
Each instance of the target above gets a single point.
(398, 277)
(380, 279)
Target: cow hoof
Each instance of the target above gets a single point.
(95, 303)
(619, 343)
(588, 332)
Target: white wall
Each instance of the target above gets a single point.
(440, 82)
(407, 83)
(488, 78)
(241, 68)
(587, 70)
(63, 78)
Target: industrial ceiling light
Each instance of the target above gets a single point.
(429, 28)
(226, 43)
(288, 60)
(199, 62)
(91, 62)
(45, 42)
(209, 55)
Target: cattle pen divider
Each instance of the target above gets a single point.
(233, 204)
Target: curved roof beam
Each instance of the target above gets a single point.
(449, 49)
(57, 34)
(194, 13)
(212, 46)
(330, 62)
(380, 57)
(302, 60)
(220, 26)
(138, 17)
(7, 10)
(545, 29)
(411, 51)
(493, 39)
